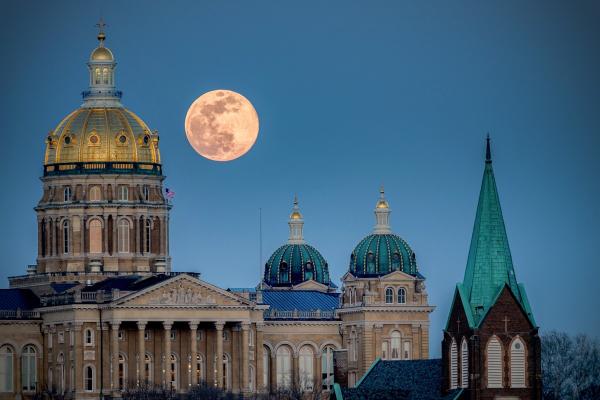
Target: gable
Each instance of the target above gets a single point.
(311, 285)
(182, 290)
(397, 275)
(506, 305)
(459, 311)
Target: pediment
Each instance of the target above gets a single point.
(183, 290)
(311, 285)
(397, 275)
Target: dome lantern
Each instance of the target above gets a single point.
(296, 224)
(382, 215)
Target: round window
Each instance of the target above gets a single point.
(68, 140)
(122, 139)
(517, 346)
(146, 139)
(94, 139)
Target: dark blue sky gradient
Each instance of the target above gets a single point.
(350, 95)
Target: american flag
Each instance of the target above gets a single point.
(169, 193)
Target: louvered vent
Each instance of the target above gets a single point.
(494, 363)
(464, 364)
(517, 364)
(453, 365)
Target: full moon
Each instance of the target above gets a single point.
(221, 125)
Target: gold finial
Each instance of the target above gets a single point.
(101, 36)
(382, 203)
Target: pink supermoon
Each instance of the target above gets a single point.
(221, 125)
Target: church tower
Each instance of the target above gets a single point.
(102, 211)
(491, 347)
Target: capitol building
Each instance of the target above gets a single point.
(103, 310)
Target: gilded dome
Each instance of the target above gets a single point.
(102, 134)
(102, 53)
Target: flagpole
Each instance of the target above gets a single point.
(260, 248)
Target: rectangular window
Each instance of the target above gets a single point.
(123, 193)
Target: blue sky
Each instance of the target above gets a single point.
(350, 95)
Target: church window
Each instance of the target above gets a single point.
(123, 193)
(89, 337)
(517, 364)
(283, 272)
(306, 373)
(453, 365)
(284, 367)
(174, 372)
(123, 235)
(395, 262)
(199, 368)
(266, 378)
(95, 193)
(148, 370)
(29, 368)
(395, 344)
(389, 295)
(464, 364)
(6, 369)
(148, 236)
(122, 372)
(88, 378)
(95, 236)
(327, 367)
(67, 194)
(66, 234)
(406, 350)
(401, 296)
(494, 363)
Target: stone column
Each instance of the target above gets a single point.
(415, 344)
(273, 374)
(295, 371)
(318, 380)
(17, 376)
(244, 359)
(166, 365)
(141, 367)
(114, 349)
(219, 356)
(377, 332)
(193, 350)
(258, 350)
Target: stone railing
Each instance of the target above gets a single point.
(19, 314)
(299, 314)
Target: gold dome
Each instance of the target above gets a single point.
(296, 215)
(102, 53)
(382, 204)
(102, 135)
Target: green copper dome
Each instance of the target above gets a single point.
(292, 264)
(380, 254)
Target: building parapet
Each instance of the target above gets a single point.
(299, 314)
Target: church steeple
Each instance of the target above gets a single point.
(102, 91)
(489, 265)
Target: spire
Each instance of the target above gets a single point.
(296, 224)
(489, 265)
(488, 151)
(382, 214)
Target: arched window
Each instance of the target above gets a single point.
(327, 367)
(284, 367)
(350, 296)
(305, 368)
(88, 337)
(148, 238)
(95, 193)
(308, 270)
(29, 368)
(199, 368)
(494, 363)
(395, 262)
(395, 344)
(88, 378)
(173, 381)
(464, 364)
(389, 295)
(401, 296)
(60, 360)
(122, 372)
(95, 236)
(453, 365)
(123, 193)
(148, 369)
(67, 194)
(226, 365)
(123, 235)
(370, 262)
(6, 369)
(266, 378)
(66, 234)
(517, 363)
(283, 272)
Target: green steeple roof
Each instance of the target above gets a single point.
(489, 266)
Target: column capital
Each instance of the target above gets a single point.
(219, 325)
(260, 326)
(167, 325)
(114, 325)
(378, 327)
(193, 325)
(245, 326)
(141, 325)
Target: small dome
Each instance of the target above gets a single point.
(292, 264)
(296, 215)
(380, 254)
(102, 53)
(102, 135)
